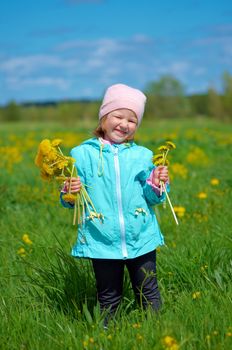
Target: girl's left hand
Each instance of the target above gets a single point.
(160, 174)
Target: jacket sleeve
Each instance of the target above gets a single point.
(76, 153)
(151, 196)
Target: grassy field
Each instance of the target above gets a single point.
(48, 299)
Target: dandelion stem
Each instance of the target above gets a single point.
(169, 201)
(75, 213)
(165, 156)
(69, 190)
(60, 150)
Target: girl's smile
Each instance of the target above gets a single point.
(120, 125)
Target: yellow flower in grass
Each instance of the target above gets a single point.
(214, 182)
(139, 337)
(180, 211)
(136, 325)
(170, 343)
(204, 267)
(26, 239)
(197, 157)
(196, 295)
(202, 195)
(22, 252)
(179, 170)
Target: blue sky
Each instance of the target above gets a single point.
(71, 49)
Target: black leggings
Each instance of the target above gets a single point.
(109, 277)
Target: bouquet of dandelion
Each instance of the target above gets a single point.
(161, 159)
(55, 166)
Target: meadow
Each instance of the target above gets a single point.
(48, 298)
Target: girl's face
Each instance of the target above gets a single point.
(120, 125)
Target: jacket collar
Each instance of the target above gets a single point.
(98, 143)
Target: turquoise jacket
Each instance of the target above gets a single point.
(116, 178)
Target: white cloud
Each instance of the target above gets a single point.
(17, 84)
(28, 64)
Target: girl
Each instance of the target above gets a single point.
(123, 185)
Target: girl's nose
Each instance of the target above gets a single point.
(124, 124)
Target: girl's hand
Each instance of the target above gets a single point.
(160, 174)
(75, 185)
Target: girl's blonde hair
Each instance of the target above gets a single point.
(100, 132)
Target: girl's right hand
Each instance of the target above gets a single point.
(75, 185)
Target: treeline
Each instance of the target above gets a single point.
(166, 99)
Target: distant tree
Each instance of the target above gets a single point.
(227, 93)
(214, 102)
(12, 112)
(167, 98)
(199, 104)
(167, 86)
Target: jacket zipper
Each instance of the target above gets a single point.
(119, 200)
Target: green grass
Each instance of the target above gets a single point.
(48, 298)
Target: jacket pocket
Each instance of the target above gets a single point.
(100, 230)
(139, 220)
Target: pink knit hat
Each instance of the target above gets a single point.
(122, 96)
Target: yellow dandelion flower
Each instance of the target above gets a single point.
(45, 146)
(175, 347)
(170, 343)
(196, 295)
(158, 156)
(204, 267)
(56, 142)
(45, 176)
(170, 145)
(197, 157)
(22, 252)
(71, 159)
(202, 195)
(179, 169)
(91, 340)
(180, 211)
(69, 197)
(39, 159)
(61, 165)
(214, 182)
(47, 169)
(229, 334)
(139, 337)
(163, 148)
(52, 155)
(136, 325)
(85, 344)
(109, 336)
(26, 239)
